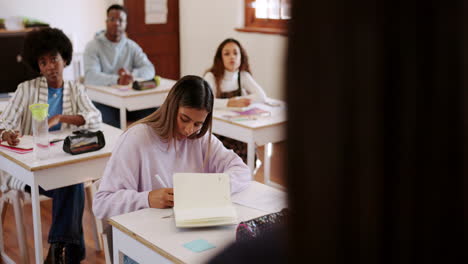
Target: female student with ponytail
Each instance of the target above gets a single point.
(175, 138)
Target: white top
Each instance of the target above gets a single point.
(250, 88)
(140, 155)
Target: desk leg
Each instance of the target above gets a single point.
(36, 211)
(116, 246)
(251, 156)
(123, 118)
(266, 160)
(126, 244)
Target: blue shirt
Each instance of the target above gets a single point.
(55, 101)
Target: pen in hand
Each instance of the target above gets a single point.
(162, 197)
(160, 181)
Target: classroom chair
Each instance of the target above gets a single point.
(104, 229)
(18, 198)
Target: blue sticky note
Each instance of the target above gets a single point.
(198, 245)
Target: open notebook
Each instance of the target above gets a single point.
(203, 199)
(26, 143)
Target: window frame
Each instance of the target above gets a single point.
(262, 25)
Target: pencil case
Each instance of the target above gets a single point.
(145, 85)
(83, 141)
(251, 229)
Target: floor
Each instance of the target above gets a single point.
(92, 255)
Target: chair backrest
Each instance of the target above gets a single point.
(105, 230)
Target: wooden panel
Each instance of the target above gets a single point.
(165, 66)
(136, 18)
(13, 71)
(159, 41)
(157, 44)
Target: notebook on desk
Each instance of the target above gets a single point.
(233, 108)
(203, 199)
(25, 145)
(249, 114)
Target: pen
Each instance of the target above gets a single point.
(160, 181)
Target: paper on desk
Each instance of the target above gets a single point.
(27, 141)
(198, 245)
(230, 108)
(262, 198)
(119, 87)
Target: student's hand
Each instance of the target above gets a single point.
(161, 198)
(54, 120)
(239, 102)
(125, 77)
(11, 137)
(122, 71)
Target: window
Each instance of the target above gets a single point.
(267, 16)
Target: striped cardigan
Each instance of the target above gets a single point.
(75, 102)
(18, 116)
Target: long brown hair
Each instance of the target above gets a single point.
(190, 91)
(218, 66)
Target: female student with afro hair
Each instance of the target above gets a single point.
(48, 51)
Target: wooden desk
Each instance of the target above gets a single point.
(259, 132)
(146, 237)
(61, 169)
(130, 100)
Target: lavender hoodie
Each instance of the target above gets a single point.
(140, 154)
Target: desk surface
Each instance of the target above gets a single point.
(164, 86)
(58, 157)
(59, 170)
(162, 236)
(278, 116)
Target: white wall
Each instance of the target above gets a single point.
(206, 23)
(79, 19)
